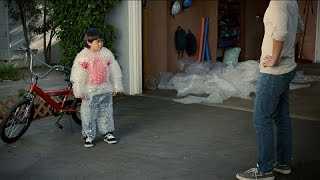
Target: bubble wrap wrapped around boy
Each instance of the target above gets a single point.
(95, 75)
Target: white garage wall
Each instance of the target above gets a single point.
(126, 17)
(119, 19)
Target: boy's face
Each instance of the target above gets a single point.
(96, 45)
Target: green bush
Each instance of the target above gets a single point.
(74, 17)
(8, 72)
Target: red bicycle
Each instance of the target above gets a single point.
(61, 101)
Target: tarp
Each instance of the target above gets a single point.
(214, 83)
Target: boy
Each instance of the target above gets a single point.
(96, 76)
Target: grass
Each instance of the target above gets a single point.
(9, 72)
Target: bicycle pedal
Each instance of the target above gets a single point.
(59, 126)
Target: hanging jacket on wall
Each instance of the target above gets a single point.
(180, 41)
(191, 43)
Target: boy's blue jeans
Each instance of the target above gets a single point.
(272, 105)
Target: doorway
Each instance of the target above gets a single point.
(241, 25)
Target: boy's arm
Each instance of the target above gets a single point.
(78, 77)
(116, 75)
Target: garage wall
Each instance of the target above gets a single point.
(308, 52)
(191, 19)
(254, 28)
(159, 54)
(154, 22)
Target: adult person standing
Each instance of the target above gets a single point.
(277, 69)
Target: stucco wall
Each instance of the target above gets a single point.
(119, 18)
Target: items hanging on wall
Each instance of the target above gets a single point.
(204, 50)
(191, 44)
(207, 53)
(186, 4)
(180, 41)
(175, 7)
(185, 42)
(201, 39)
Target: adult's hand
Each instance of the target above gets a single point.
(269, 61)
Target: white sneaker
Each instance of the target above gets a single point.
(88, 143)
(110, 139)
(282, 169)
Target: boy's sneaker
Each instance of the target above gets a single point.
(110, 139)
(88, 143)
(282, 169)
(253, 174)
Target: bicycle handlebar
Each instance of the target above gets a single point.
(60, 68)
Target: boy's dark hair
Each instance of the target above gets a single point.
(91, 35)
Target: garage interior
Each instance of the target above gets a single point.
(159, 53)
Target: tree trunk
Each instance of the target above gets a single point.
(25, 28)
(45, 50)
(50, 45)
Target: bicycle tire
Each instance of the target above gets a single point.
(24, 108)
(76, 118)
(75, 115)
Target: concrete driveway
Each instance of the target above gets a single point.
(159, 139)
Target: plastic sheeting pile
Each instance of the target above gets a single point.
(214, 83)
(303, 81)
(211, 83)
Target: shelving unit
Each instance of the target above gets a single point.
(229, 14)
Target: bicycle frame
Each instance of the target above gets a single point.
(48, 94)
(19, 119)
(57, 106)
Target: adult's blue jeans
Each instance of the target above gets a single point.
(272, 107)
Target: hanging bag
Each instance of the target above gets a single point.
(180, 41)
(191, 44)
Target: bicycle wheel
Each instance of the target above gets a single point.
(17, 123)
(76, 117)
(76, 103)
